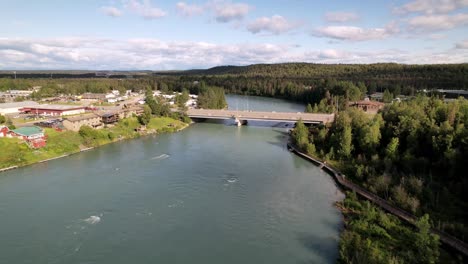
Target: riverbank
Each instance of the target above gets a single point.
(344, 184)
(17, 154)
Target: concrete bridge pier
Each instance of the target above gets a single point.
(240, 122)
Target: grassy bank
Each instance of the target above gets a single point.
(374, 236)
(15, 152)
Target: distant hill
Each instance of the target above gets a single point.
(420, 76)
(324, 70)
(71, 74)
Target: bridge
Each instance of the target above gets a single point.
(241, 117)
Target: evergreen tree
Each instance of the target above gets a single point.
(145, 118)
(301, 135)
(387, 96)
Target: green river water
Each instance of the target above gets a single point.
(212, 193)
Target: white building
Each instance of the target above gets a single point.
(11, 108)
(191, 103)
(168, 96)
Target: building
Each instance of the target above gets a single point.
(367, 105)
(10, 95)
(453, 93)
(74, 123)
(93, 96)
(110, 118)
(129, 111)
(54, 110)
(376, 97)
(11, 108)
(4, 131)
(33, 136)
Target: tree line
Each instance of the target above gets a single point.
(412, 153)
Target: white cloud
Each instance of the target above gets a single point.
(144, 9)
(356, 33)
(276, 25)
(187, 10)
(462, 45)
(437, 22)
(227, 11)
(431, 7)
(154, 54)
(437, 36)
(111, 11)
(341, 17)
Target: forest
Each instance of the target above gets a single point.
(308, 82)
(304, 82)
(412, 153)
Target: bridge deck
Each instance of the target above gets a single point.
(265, 116)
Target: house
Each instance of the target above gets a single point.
(10, 95)
(54, 110)
(33, 136)
(110, 96)
(453, 93)
(93, 96)
(377, 97)
(9, 108)
(129, 111)
(110, 118)
(4, 131)
(367, 105)
(74, 123)
(191, 103)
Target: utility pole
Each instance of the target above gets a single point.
(15, 74)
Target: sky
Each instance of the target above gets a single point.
(176, 35)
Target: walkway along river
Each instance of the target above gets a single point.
(212, 193)
(340, 179)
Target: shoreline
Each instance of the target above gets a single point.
(343, 184)
(90, 148)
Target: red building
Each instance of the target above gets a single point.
(4, 131)
(33, 136)
(53, 110)
(368, 105)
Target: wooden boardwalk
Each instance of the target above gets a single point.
(341, 180)
(310, 118)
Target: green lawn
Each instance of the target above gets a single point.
(14, 152)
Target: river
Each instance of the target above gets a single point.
(212, 193)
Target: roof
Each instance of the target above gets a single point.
(453, 91)
(28, 131)
(367, 102)
(376, 95)
(108, 114)
(133, 108)
(57, 107)
(18, 104)
(81, 117)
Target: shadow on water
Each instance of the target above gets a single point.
(323, 247)
(280, 138)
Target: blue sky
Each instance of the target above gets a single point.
(164, 35)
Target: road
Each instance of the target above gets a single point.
(265, 116)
